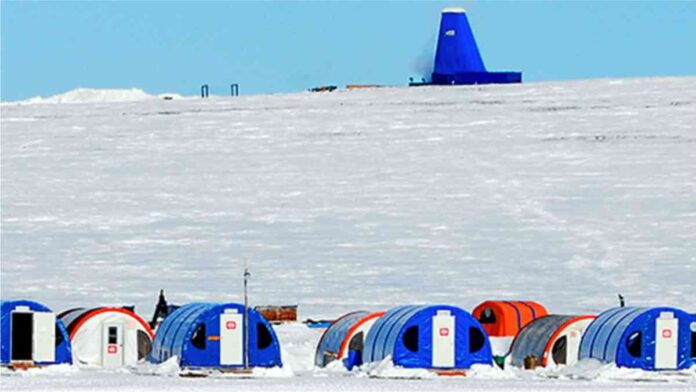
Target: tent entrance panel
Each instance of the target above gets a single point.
(44, 337)
(22, 327)
(573, 347)
(231, 339)
(443, 339)
(666, 344)
(112, 345)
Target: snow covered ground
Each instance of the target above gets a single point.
(565, 193)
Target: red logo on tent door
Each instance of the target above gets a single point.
(231, 325)
(112, 349)
(666, 333)
(444, 331)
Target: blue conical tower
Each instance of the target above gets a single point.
(457, 60)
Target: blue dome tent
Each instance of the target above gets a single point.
(211, 335)
(645, 338)
(429, 337)
(457, 59)
(31, 333)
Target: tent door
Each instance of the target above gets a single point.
(573, 347)
(231, 339)
(22, 327)
(443, 339)
(44, 337)
(666, 343)
(112, 345)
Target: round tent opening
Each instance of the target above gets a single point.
(32, 334)
(107, 337)
(646, 338)
(507, 318)
(204, 335)
(552, 340)
(345, 338)
(428, 337)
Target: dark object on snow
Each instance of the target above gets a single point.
(323, 89)
(278, 314)
(622, 302)
(530, 362)
(162, 310)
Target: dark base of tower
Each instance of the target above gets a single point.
(477, 78)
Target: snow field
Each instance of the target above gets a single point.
(564, 193)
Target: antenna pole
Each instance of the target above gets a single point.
(246, 314)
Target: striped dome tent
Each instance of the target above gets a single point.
(507, 318)
(552, 339)
(106, 336)
(31, 334)
(429, 337)
(344, 336)
(658, 338)
(211, 335)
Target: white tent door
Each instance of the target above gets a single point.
(573, 346)
(231, 339)
(666, 343)
(112, 345)
(443, 339)
(44, 337)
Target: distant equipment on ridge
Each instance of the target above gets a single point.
(457, 59)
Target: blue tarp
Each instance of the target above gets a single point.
(386, 337)
(174, 335)
(458, 60)
(607, 337)
(63, 349)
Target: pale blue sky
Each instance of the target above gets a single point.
(52, 47)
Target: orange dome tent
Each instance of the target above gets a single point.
(506, 318)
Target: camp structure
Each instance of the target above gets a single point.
(211, 335)
(507, 318)
(552, 340)
(658, 338)
(437, 337)
(107, 337)
(457, 58)
(32, 335)
(344, 339)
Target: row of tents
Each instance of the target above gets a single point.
(438, 337)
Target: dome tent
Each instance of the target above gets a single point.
(646, 338)
(344, 338)
(507, 318)
(552, 339)
(32, 333)
(107, 337)
(211, 335)
(429, 337)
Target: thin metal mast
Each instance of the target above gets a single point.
(246, 315)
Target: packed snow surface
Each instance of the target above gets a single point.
(565, 193)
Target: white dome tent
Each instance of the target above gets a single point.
(107, 337)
